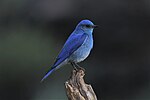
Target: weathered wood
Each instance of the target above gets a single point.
(77, 89)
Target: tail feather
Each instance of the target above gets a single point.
(48, 73)
(53, 68)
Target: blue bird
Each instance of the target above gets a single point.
(77, 47)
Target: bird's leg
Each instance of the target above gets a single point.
(74, 66)
(79, 67)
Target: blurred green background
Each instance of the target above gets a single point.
(33, 31)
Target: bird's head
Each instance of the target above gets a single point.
(86, 25)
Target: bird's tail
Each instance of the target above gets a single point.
(48, 73)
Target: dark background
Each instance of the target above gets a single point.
(33, 31)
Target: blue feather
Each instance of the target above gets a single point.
(71, 45)
(77, 47)
(49, 72)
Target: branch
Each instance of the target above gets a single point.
(77, 89)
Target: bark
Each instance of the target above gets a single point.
(77, 89)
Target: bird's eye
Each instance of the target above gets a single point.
(88, 26)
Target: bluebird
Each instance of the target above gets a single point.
(76, 48)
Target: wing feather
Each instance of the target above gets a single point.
(71, 45)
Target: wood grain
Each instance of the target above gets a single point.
(77, 89)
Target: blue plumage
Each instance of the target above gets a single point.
(77, 46)
(71, 45)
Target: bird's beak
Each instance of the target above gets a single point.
(94, 26)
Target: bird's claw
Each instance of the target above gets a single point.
(77, 67)
(81, 68)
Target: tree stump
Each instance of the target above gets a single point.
(77, 89)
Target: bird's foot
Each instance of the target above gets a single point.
(74, 66)
(77, 67)
(81, 68)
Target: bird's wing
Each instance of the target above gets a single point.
(71, 45)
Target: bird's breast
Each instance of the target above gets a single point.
(83, 51)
